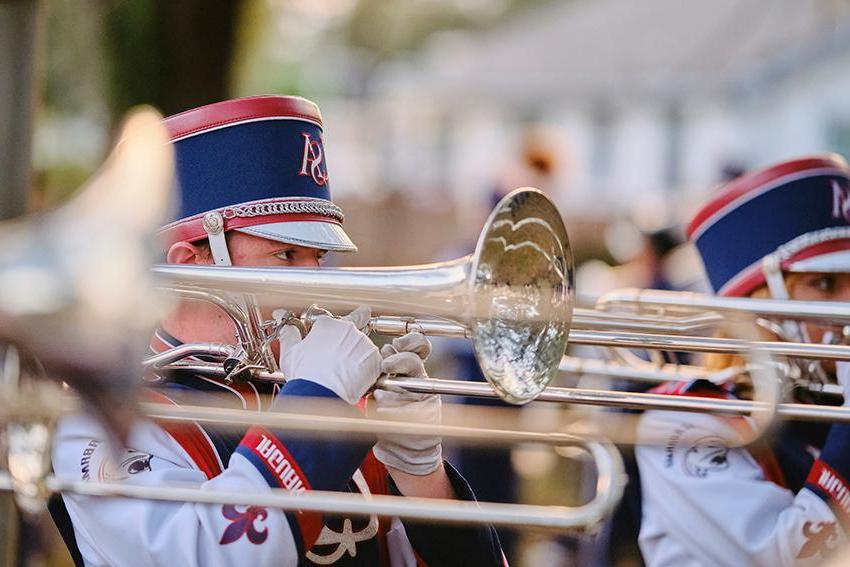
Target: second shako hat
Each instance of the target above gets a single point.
(255, 165)
(792, 216)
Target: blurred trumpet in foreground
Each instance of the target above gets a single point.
(323, 418)
(75, 284)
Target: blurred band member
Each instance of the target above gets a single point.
(781, 232)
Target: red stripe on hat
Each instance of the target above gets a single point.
(744, 282)
(230, 112)
(820, 249)
(189, 436)
(192, 228)
(752, 182)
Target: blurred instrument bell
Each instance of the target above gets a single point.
(75, 283)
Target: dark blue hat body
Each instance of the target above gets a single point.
(800, 208)
(248, 162)
(260, 161)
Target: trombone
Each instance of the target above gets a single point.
(656, 301)
(29, 477)
(527, 227)
(514, 298)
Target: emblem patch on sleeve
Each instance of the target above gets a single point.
(242, 523)
(101, 463)
(132, 463)
(819, 541)
(706, 455)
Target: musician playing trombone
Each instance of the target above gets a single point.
(255, 192)
(782, 232)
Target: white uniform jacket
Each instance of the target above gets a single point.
(126, 532)
(708, 502)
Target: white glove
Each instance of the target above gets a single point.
(334, 354)
(842, 375)
(416, 455)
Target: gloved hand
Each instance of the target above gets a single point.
(334, 354)
(842, 375)
(414, 455)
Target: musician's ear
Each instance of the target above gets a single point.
(187, 253)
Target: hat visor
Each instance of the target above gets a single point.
(313, 234)
(838, 261)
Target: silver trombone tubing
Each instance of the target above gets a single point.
(642, 371)
(585, 319)
(688, 302)
(401, 325)
(187, 350)
(609, 488)
(583, 518)
(610, 477)
(577, 396)
(638, 370)
(633, 400)
(594, 319)
(488, 426)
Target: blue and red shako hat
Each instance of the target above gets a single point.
(256, 165)
(792, 216)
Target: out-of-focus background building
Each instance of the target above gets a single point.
(626, 113)
(431, 107)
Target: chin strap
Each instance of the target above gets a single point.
(793, 330)
(771, 267)
(258, 352)
(214, 227)
(773, 275)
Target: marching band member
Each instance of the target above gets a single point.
(781, 232)
(254, 186)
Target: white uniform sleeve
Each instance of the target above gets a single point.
(118, 532)
(130, 532)
(705, 503)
